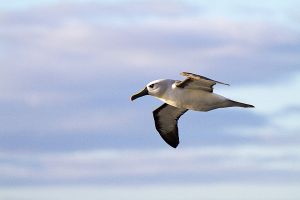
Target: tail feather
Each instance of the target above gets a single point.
(239, 104)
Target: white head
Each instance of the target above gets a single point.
(155, 88)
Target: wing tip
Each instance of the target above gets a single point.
(188, 74)
(174, 145)
(183, 73)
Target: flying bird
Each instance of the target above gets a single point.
(193, 93)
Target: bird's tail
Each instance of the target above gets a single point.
(238, 104)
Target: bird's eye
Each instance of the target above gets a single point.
(151, 86)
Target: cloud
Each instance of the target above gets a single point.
(105, 12)
(233, 191)
(69, 42)
(100, 121)
(108, 165)
(104, 120)
(277, 103)
(269, 98)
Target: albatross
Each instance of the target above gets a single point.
(193, 93)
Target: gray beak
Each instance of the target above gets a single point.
(140, 94)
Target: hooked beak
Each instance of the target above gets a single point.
(140, 94)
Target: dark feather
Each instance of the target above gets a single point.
(166, 117)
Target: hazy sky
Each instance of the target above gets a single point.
(68, 69)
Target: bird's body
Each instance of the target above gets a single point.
(192, 99)
(194, 93)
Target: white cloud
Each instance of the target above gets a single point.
(269, 98)
(109, 164)
(289, 122)
(73, 46)
(216, 191)
(36, 99)
(273, 101)
(102, 121)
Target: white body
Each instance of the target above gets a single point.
(192, 99)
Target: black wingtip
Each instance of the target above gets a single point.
(239, 104)
(172, 142)
(174, 145)
(248, 106)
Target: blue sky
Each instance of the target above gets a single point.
(69, 68)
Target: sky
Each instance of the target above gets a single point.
(69, 129)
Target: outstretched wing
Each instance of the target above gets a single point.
(194, 81)
(166, 117)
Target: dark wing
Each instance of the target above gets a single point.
(166, 117)
(194, 81)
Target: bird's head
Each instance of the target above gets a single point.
(155, 88)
